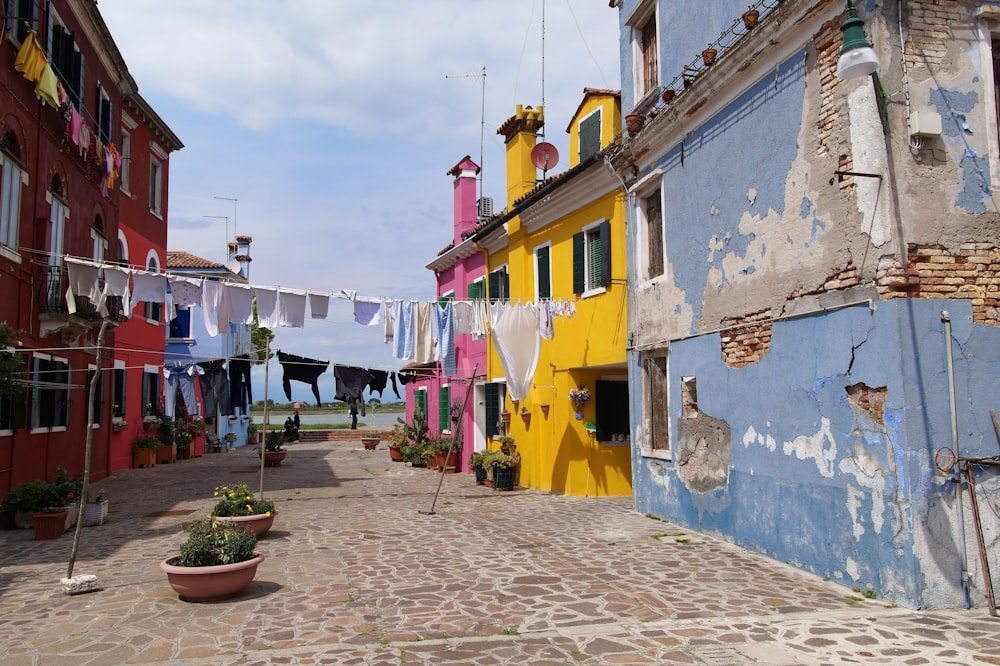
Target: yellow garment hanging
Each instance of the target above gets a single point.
(30, 59)
(46, 88)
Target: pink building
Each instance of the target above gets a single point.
(459, 269)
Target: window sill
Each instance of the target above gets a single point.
(10, 254)
(593, 292)
(659, 455)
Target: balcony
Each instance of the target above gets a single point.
(53, 310)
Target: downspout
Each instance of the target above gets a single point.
(957, 480)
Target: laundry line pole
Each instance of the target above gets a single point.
(263, 441)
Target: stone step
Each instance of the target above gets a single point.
(341, 435)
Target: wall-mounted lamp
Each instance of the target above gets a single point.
(857, 58)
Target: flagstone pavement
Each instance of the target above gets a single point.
(357, 573)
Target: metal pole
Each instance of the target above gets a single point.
(263, 441)
(456, 436)
(946, 318)
(983, 553)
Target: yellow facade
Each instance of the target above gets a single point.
(558, 453)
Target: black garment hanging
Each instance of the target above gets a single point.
(395, 389)
(351, 383)
(215, 388)
(240, 394)
(301, 369)
(377, 379)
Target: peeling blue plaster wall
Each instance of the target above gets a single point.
(708, 177)
(954, 107)
(796, 491)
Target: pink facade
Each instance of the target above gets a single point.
(456, 267)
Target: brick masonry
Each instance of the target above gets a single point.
(747, 339)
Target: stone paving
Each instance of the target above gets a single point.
(356, 574)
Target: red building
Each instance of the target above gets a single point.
(65, 94)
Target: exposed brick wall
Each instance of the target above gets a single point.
(934, 272)
(828, 43)
(747, 339)
(842, 278)
(928, 29)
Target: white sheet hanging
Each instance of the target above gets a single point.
(291, 308)
(215, 306)
(267, 307)
(240, 304)
(515, 337)
(319, 305)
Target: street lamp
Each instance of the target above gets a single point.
(857, 58)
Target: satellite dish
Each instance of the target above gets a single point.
(544, 156)
(234, 266)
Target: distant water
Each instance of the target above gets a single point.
(377, 419)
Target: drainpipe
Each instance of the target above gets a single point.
(957, 480)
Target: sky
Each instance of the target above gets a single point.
(333, 123)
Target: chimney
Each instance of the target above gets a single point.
(466, 216)
(242, 254)
(519, 133)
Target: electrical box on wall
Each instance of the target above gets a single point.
(925, 123)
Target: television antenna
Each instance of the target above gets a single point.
(482, 123)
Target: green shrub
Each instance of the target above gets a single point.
(36, 496)
(213, 543)
(237, 500)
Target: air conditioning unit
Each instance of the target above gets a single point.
(485, 207)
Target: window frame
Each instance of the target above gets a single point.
(126, 154)
(119, 392)
(646, 233)
(655, 425)
(65, 58)
(152, 310)
(645, 40)
(150, 385)
(599, 115)
(180, 325)
(584, 282)
(498, 281)
(539, 296)
(103, 115)
(155, 186)
(13, 177)
(47, 414)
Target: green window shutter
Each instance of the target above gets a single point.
(475, 290)
(493, 286)
(505, 284)
(444, 408)
(590, 135)
(420, 400)
(542, 277)
(492, 408)
(578, 263)
(605, 277)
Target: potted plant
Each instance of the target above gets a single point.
(417, 430)
(634, 122)
(505, 469)
(41, 503)
(506, 443)
(579, 397)
(69, 487)
(397, 438)
(95, 511)
(709, 55)
(253, 433)
(415, 454)
(446, 452)
(238, 505)
(370, 443)
(525, 416)
(750, 17)
(144, 450)
(273, 453)
(477, 463)
(185, 433)
(216, 562)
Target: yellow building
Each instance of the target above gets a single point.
(563, 241)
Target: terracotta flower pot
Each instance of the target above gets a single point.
(143, 458)
(210, 583)
(709, 55)
(634, 122)
(259, 523)
(526, 417)
(395, 453)
(505, 417)
(370, 443)
(668, 95)
(750, 18)
(273, 458)
(48, 525)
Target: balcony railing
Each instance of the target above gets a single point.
(55, 283)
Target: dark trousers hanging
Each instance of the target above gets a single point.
(240, 395)
(351, 383)
(215, 388)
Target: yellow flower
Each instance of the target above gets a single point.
(268, 514)
(249, 508)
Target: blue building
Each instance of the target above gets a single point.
(189, 341)
(813, 271)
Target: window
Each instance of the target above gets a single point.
(496, 396)
(476, 290)
(420, 401)
(98, 394)
(65, 58)
(103, 114)
(590, 135)
(611, 411)
(12, 407)
(58, 213)
(22, 16)
(656, 404)
(444, 408)
(180, 326)
(49, 392)
(653, 211)
(121, 250)
(11, 180)
(543, 273)
(126, 153)
(155, 186)
(592, 258)
(118, 398)
(498, 285)
(153, 308)
(648, 56)
(150, 390)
